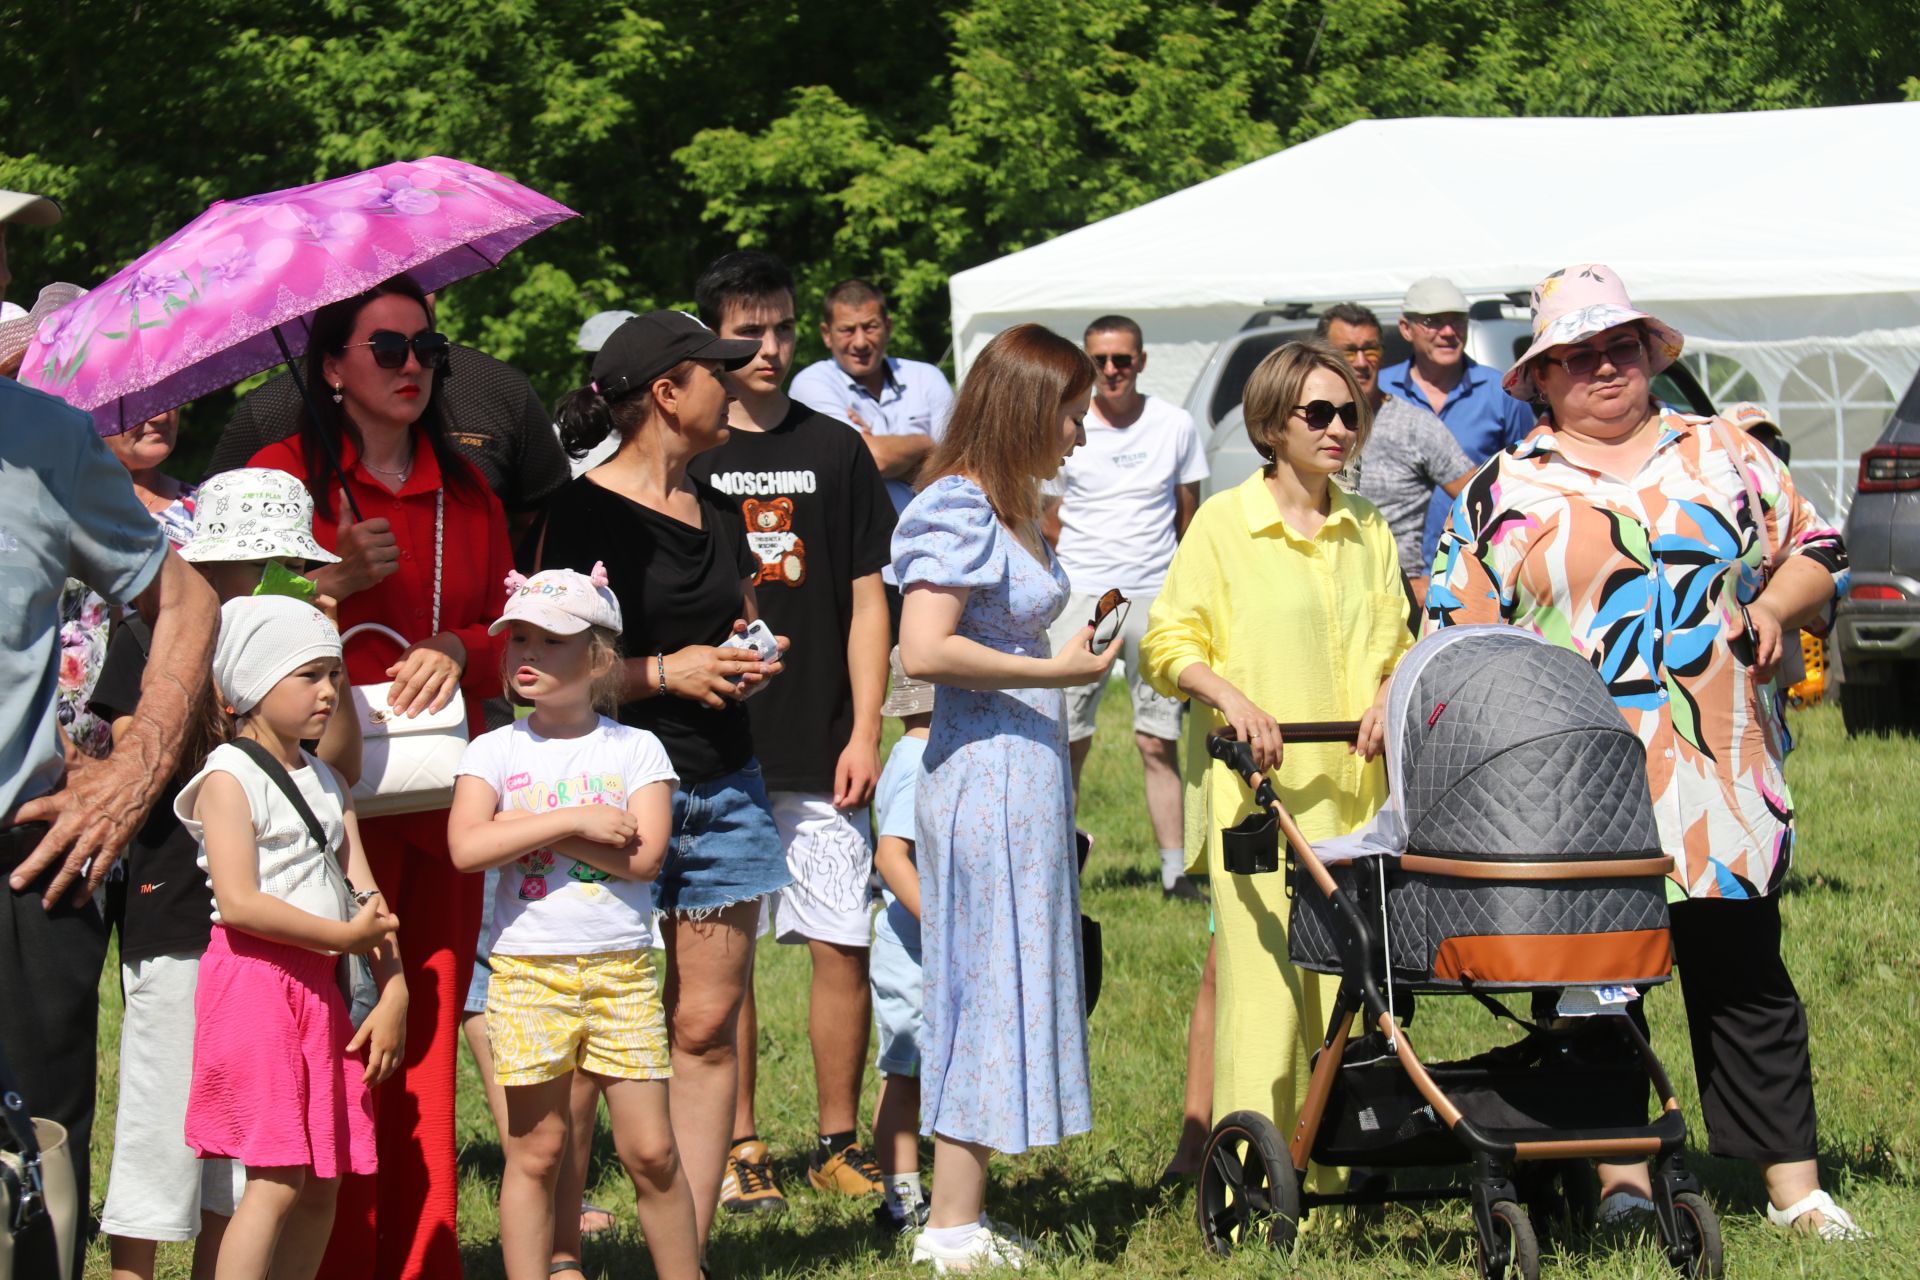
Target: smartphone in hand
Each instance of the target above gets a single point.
(757, 638)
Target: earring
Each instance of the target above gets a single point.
(339, 392)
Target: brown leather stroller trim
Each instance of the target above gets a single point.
(1607, 869)
(1552, 958)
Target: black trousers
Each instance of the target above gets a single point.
(49, 1013)
(1748, 1027)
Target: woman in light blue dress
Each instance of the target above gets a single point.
(1004, 1046)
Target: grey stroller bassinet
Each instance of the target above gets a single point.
(1519, 846)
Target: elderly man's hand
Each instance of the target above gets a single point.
(92, 816)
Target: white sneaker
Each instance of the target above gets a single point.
(1838, 1225)
(982, 1251)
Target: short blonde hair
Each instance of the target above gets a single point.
(1273, 392)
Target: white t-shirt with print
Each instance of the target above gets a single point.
(1117, 498)
(548, 904)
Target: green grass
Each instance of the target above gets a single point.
(1853, 944)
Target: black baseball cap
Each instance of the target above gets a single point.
(647, 346)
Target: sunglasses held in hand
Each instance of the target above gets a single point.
(390, 348)
(1109, 615)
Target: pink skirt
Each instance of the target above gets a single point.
(272, 1082)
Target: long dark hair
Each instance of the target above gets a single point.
(585, 417)
(327, 335)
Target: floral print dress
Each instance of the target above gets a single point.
(1640, 575)
(1004, 1042)
(85, 620)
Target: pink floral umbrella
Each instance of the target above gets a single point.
(230, 293)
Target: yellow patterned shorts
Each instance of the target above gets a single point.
(548, 1015)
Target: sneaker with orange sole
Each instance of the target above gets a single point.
(850, 1171)
(747, 1186)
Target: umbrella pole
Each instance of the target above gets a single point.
(313, 412)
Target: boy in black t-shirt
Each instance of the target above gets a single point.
(820, 525)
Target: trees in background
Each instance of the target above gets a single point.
(891, 138)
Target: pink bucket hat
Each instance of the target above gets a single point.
(1573, 304)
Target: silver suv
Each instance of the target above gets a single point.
(1876, 636)
(1499, 329)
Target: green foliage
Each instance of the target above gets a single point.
(889, 138)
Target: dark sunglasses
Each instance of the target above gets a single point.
(1624, 354)
(1109, 615)
(1321, 413)
(390, 348)
(1122, 362)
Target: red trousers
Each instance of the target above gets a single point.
(401, 1223)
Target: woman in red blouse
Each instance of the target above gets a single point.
(374, 365)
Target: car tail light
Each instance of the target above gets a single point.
(1874, 592)
(1889, 468)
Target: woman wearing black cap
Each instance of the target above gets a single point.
(677, 558)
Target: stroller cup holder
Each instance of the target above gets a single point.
(1251, 847)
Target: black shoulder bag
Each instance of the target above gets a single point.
(356, 975)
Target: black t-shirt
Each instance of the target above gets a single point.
(817, 516)
(493, 418)
(677, 585)
(163, 902)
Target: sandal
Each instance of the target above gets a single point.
(555, 1268)
(1838, 1225)
(587, 1233)
(1624, 1209)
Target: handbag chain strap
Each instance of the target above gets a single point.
(439, 536)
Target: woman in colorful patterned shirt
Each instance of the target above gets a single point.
(1625, 532)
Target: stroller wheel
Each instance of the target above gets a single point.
(1698, 1251)
(1247, 1186)
(1517, 1242)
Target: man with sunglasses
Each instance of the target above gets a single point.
(1444, 380)
(1115, 513)
(1410, 454)
(493, 416)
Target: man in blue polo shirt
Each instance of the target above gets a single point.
(1443, 379)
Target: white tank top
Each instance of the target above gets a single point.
(292, 868)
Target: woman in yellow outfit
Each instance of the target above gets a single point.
(1283, 603)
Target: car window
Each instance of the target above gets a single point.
(1230, 390)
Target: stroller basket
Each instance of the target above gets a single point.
(1550, 1080)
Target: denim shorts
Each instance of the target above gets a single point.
(725, 847)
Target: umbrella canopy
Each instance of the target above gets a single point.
(214, 302)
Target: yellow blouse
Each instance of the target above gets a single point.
(1305, 627)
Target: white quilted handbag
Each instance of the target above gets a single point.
(407, 763)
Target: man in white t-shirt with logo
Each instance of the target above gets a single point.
(1115, 513)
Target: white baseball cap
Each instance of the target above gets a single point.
(598, 328)
(28, 209)
(561, 601)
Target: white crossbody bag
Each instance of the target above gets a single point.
(407, 763)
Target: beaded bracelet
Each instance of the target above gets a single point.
(660, 667)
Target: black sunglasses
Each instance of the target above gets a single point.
(1122, 362)
(390, 348)
(1624, 354)
(1321, 413)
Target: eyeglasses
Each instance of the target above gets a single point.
(1624, 354)
(1109, 615)
(1371, 352)
(1321, 413)
(1445, 320)
(1122, 362)
(390, 348)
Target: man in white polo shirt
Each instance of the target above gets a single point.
(1115, 513)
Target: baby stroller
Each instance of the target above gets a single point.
(1518, 854)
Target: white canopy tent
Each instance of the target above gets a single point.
(1783, 245)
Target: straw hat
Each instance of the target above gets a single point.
(17, 334)
(905, 695)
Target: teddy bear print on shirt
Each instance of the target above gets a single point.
(783, 556)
